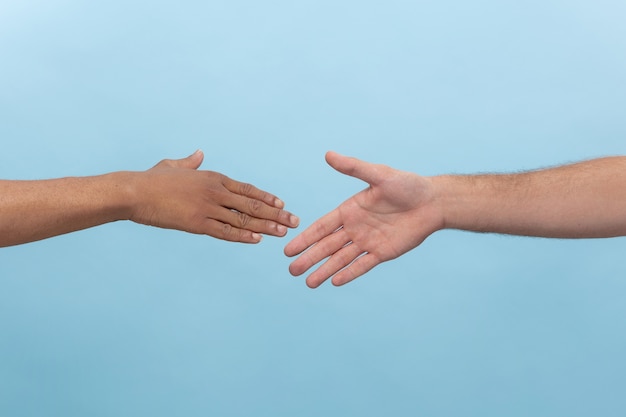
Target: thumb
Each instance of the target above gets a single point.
(193, 161)
(368, 172)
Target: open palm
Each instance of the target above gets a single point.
(390, 217)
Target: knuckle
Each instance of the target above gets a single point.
(254, 205)
(230, 233)
(227, 231)
(221, 178)
(243, 219)
(245, 188)
(320, 229)
(307, 260)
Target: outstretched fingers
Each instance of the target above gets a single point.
(323, 249)
(249, 190)
(256, 215)
(226, 231)
(339, 260)
(232, 225)
(360, 266)
(321, 228)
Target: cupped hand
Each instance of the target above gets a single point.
(390, 217)
(174, 194)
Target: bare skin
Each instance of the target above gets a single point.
(174, 194)
(399, 210)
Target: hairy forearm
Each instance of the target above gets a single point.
(582, 200)
(34, 210)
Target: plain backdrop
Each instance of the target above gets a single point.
(125, 320)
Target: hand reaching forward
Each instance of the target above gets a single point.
(175, 195)
(390, 217)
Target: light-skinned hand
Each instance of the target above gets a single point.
(390, 217)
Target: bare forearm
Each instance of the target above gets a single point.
(582, 200)
(34, 210)
(173, 194)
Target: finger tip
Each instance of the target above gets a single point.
(336, 283)
(311, 285)
(341, 279)
(335, 159)
(197, 157)
(293, 271)
(278, 203)
(294, 220)
(292, 248)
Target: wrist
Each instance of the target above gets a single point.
(478, 203)
(429, 206)
(449, 200)
(123, 193)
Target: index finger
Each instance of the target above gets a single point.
(249, 190)
(321, 228)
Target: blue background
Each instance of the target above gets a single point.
(125, 320)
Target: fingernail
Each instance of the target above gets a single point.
(294, 220)
(257, 237)
(279, 203)
(281, 229)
